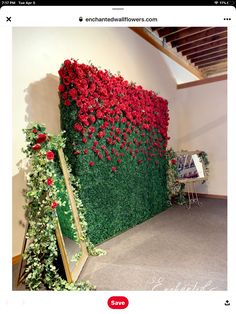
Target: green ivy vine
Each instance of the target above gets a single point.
(42, 198)
(175, 188)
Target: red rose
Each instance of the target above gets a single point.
(91, 163)
(61, 88)
(91, 129)
(101, 134)
(109, 140)
(113, 169)
(36, 147)
(67, 102)
(34, 130)
(78, 127)
(77, 152)
(95, 143)
(117, 131)
(73, 93)
(65, 95)
(108, 158)
(119, 161)
(99, 114)
(84, 140)
(49, 181)
(103, 147)
(100, 156)
(41, 138)
(50, 155)
(54, 204)
(91, 119)
(86, 151)
(173, 161)
(67, 63)
(66, 80)
(117, 118)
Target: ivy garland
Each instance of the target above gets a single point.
(204, 158)
(175, 188)
(42, 199)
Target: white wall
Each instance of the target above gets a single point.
(37, 56)
(201, 120)
(198, 114)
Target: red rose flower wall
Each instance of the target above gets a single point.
(116, 138)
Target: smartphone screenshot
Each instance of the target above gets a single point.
(117, 132)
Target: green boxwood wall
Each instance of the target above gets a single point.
(116, 138)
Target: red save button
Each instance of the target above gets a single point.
(118, 302)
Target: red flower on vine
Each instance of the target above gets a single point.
(50, 155)
(36, 147)
(41, 138)
(54, 204)
(49, 181)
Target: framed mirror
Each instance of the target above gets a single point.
(190, 166)
(69, 233)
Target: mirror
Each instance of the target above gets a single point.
(69, 233)
(190, 166)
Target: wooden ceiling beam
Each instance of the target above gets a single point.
(204, 81)
(208, 48)
(205, 64)
(220, 38)
(206, 52)
(200, 35)
(156, 28)
(169, 30)
(208, 56)
(189, 31)
(215, 68)
(151, 39)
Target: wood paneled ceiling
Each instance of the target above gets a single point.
(205, 48)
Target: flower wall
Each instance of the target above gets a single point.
(116, 138)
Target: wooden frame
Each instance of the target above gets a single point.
(72, 275)
(203, 177)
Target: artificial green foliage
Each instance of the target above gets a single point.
(46, 193)
(175, 189)
(64, 211)
(116, 137)
(204, 159)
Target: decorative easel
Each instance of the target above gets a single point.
(192, 194)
